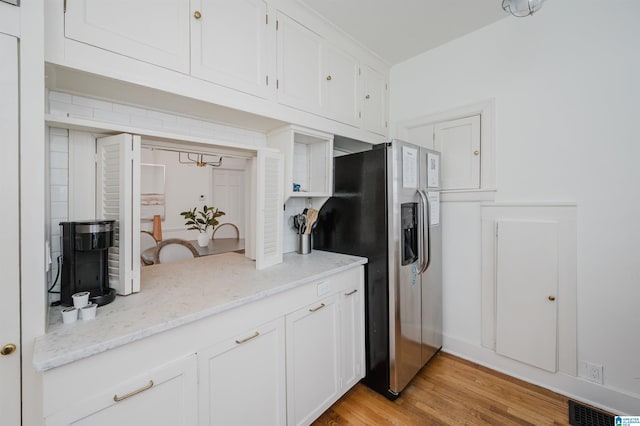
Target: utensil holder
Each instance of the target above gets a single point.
(304, 243)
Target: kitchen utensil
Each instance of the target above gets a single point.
(312, 216)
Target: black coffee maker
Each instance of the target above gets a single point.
(85, 257)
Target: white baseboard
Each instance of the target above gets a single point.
(603, 397)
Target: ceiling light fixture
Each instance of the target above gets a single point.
(522, 8)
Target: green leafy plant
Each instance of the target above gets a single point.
(203, 219)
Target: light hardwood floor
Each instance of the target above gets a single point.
(452, 391)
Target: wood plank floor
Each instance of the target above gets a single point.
(452, 391)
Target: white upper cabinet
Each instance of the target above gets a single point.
(374, 108)
(299, 58)
(154, 31)
(341, 76)
(230, 44)
(314, 75)
(459, 143)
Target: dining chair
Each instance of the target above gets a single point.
(174, 249)
(147, 241)
(213, 234)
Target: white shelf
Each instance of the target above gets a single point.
(308, 162)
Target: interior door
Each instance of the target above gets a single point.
(229, 196)
(9, 235)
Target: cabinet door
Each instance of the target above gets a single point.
(341, 76)
(268, 213)
(165, 396)
(242, 380)
(118, 198)
(459, 143)
(229, 44)
(299, 61)
(313, 340)
(374, 109)
(154, 31)
(352, 338)
(526, 289)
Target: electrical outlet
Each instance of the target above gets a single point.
(593, 372)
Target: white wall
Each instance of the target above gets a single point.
(566, 90)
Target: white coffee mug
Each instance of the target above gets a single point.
(80, 300)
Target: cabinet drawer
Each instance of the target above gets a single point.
(165, 395)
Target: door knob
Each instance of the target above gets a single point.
(368, 97)
(328, 78)
(197, 14)
(8, 349)
(476, 152)
(552, 298)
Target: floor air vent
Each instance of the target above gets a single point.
(582, 415)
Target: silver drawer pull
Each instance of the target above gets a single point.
(117, 398)
(253, 336)
(322, 305)
(351, 292)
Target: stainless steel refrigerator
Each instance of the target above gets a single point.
(386, 207)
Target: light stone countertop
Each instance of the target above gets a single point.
(174, 294)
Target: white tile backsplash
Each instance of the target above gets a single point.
(62, 104)
(92, 103)
(59, 177)
(58, 160)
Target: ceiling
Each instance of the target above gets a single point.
(397, 30)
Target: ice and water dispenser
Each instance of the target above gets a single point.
(409, 224)
(85, 258)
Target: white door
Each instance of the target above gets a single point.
(229, 196)
(242, 380)
(313, 361)
(9, 235)
(299, 58)
(154, 31)
(341, 81)
(352, 331)
(459, 144)
(526, 289)
(230, 44)
(374, 107)
(269, 209)
(118, 198)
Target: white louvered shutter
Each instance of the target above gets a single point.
(118, 198)
(269, 211)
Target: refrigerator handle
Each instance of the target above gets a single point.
(425, 250)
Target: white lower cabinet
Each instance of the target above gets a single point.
(163, 396)
(242, 379)
(305, 351)
(352, 338)
(313, 377)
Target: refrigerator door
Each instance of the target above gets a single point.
(431, 278)
(405, 213)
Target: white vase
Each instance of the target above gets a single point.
(203, 239)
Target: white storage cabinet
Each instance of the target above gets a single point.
(242, 379)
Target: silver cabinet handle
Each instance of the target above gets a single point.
(253, 336)
(117, 398)
(322, 305)
(351, 292)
